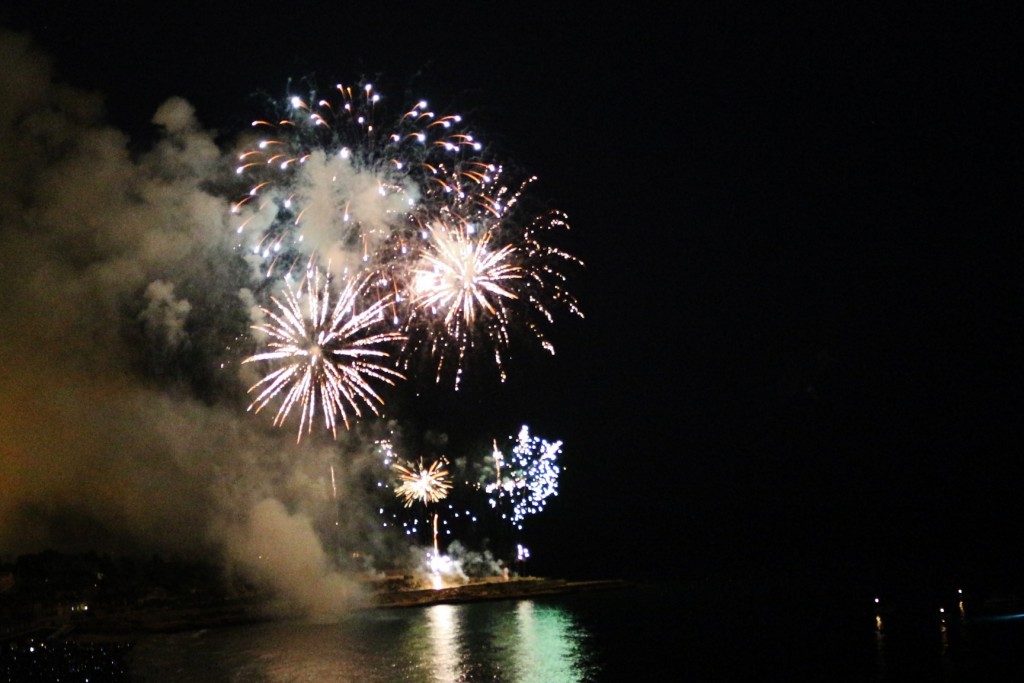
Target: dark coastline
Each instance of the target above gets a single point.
(513, 589)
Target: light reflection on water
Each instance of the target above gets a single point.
(647, 633)
(548, 647)
(443, 625)
(516, 641)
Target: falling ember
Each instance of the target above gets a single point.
(325, 354)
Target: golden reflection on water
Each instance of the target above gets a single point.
(443, 628)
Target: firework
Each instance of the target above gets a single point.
(327, 178)
(480, 273)
(411, 521)
(529, 479)
(385, 450)
(418, 207)
(465, 279)
(425, 484)
(325, 353)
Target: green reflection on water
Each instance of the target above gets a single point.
(521, 642)
(548, 646)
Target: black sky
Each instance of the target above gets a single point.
(803, 285)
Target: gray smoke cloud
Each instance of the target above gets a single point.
(274, 544)
(164, 316)
(123, 300)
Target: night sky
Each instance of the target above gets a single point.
(803, 340)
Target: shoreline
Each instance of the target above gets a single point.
(512, 589)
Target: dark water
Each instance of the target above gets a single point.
(643, 633)
(751, 628)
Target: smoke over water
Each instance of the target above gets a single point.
(123, 304)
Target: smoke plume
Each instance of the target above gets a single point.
(124, 306)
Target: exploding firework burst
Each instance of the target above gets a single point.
(418, 207)
(478, 276)
(528, 478)
(326, 178)
(460, 281)
(424, 484)
(325, 353)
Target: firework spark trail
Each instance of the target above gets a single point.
(326, 350)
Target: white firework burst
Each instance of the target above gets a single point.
(325, 353)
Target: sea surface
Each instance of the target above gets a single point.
(647, 632)
(745, 629)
